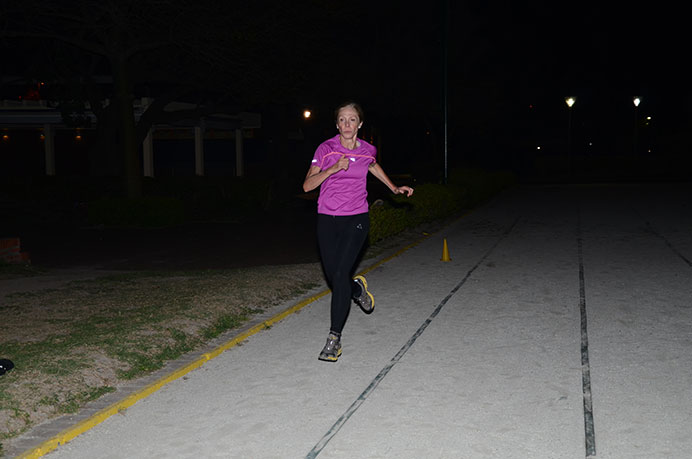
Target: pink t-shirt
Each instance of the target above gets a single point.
(344, 193)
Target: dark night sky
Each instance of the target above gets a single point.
(529, 47)
(537, 51)
(529, 50)
(503, 57)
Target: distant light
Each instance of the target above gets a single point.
(307, 114)
(570, 101)
(43, 136)
(648, 118)
(591, 144)
(5, 137)
(530, 105)
(637, 101)
(538, 147)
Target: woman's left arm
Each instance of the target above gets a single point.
(376, 170)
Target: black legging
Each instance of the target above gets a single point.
(341, 239)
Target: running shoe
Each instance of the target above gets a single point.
(366, 301)
(332, 350)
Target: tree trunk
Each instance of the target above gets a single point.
(104, 157)
(132, 173)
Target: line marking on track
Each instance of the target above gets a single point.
(589, 434)
(670, 246)
(380, 376)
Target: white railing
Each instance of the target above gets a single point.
(24, 104)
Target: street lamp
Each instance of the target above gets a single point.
(636, 101)
(569, 101)
(648, 134)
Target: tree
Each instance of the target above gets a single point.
(217, 53)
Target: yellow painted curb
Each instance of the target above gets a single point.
(97, 418)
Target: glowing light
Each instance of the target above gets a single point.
(307, 114)
(636, 101)
(538, 147)
(5, 137)
(570, 101)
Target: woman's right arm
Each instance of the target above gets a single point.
(316, 176)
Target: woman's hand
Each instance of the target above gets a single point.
(316, 176)
(376, 170)
(407, 190)
(342, 164)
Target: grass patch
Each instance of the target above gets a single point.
(227, 322)
(18, 270)
(74, 402)
(71, 345)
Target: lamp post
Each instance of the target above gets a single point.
(308, 116)
(445, 84)
(636, 101)
(569, 101)
(648, 134)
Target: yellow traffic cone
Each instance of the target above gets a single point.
(445, 252)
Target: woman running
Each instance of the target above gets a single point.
(340, 167)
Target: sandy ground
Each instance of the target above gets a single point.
(553, 296)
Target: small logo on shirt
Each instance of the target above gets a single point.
(353, 159)
(359, 226)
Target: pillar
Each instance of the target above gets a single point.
(239, 171)
(148, 154)
(49, 144)
(199, 150)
